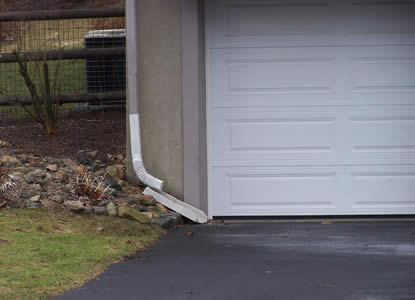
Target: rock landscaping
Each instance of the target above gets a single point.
(31, 181)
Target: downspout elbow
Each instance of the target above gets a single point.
(137, 158)
(145, 177)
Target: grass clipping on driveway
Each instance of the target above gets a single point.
(44, 253)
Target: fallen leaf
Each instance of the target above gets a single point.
(44, 260)
(35, 276)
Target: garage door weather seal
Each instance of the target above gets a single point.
(155, 185)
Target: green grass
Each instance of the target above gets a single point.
(72, 78)
(43, 253)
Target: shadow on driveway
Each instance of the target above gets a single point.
(282, 261)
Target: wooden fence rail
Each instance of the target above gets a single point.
(61, 14)
(63, 54)
(68, 98)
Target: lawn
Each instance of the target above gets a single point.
(72, 78)
(44, 253)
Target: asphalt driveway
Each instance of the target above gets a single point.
(287, 261)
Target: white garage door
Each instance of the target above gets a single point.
(311, 107)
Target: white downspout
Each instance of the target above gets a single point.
(181, 207)
(132, 90)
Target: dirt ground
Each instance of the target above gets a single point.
(76, 134)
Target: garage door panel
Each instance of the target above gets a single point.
(384, 73)
(277, 18)
(318, 76)
(313, 190)
(236, 23)
(254, 190)
(271, 135)
(334, 135)
(374, 17)
(384, 189)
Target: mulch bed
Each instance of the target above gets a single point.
(90, 131)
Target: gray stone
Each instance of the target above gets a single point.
(148, 200)
(23, 170)
(148, 214)
(100, 211)
(49, 203)
(75, 206)
(115, 172)
(92, 153)
(168, 221)
(57, 198)
(31, 204)
(112, 184)
(70, 164)
(35, 198)
(23, 158)
(132, 214)
(62, 176)
(88, 211)
(25, 194)
(10, 161)
(103, 203)
(111, 209)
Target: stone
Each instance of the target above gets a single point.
(88, 211)
(148, 200)
(49, 203)
(36, 187)
(103, 203)
(115, 172)
(112, 184)
(100, 211)
(25, 194)
(62, 176)
(31, 204)
(92, 153)
(58, 199)
(75, 206)
(23, 158)
(10, 161)
(148, 214)
(135, 198)
(168, 221)
(35, 198)
(4, 144)
(132, 214)
(161, 208)
(17, 174)
(52, 168)
(23, 170)
(111, 209)
(70, 164)
(32, 179)
(100, 229)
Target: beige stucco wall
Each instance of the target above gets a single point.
(158, 25)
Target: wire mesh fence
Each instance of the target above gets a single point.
(73, 76)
